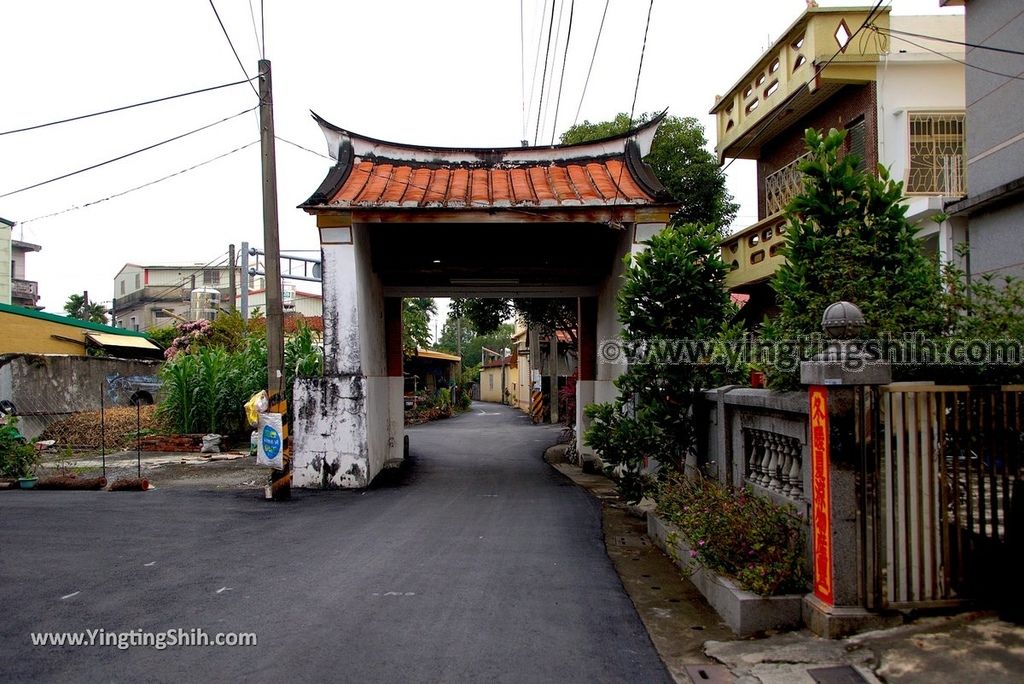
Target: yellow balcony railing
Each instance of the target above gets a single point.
(753, 254)
(744, 114)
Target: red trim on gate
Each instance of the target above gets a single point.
(821, 495)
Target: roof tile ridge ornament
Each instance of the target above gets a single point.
(365, 146)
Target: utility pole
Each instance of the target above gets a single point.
(280, 480)
(231, 276)
(244, 272)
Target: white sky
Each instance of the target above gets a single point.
(445, 72)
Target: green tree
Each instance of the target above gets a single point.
(77, 306)
(674, 290)
(848, 238)
(681, 161)
(416, 313)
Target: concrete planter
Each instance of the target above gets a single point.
(745, 612)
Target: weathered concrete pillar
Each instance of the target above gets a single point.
(344, 430)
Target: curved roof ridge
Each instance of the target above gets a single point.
(366, 146)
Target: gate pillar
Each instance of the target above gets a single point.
(843, 435)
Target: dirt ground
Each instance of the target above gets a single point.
(229, 470)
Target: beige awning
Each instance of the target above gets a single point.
(110, 340)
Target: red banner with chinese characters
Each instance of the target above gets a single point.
(821, 496)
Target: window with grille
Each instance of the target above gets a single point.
(937, 164)
(780, 186)
(211, 276)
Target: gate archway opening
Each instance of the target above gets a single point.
(399, 220)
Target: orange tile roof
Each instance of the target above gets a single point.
(381, 184)
(375, 174)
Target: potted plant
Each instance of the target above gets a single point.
(757, 376)
(18, 456)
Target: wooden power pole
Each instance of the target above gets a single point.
(280, 480)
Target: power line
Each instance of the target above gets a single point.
(561, 79)
(140, 187)
(121, 109)
(125, 156)
(950, 57)
(255, 33)
(554, 63)
(593, 56)
(295, 144)
(636, 89)
(948, 40)
(522, 69)
(779, 110)
(232, 46)
(536, 63)
(543, 77)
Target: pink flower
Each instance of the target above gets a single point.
(693, 554)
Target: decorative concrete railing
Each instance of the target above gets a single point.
(758, 438)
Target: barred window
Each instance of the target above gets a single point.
(937, 164)
(211, 276)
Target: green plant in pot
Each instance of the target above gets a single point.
(18, 456)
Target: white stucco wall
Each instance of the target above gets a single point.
(349, 424)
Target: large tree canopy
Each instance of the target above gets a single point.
(680, 161)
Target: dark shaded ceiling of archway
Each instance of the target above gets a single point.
(467, 258)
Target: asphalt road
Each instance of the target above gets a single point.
(478, 563)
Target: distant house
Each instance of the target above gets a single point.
(295, 301)
(157, 295)
(900, 104)
(994, 206)
(428, 371)
(499, 380)
(28, 331)
(15, 288)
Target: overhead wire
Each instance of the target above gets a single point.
(123, 108)
(636, 90)
(547, 52)
(255, 33)
(126, 155)
(536, 63)
(139, 187)
(522, 70)
(881, 31)
(593, 56)
(779, 110)
(554, 64)
(561, 79)
(232, 46)
(979, 46)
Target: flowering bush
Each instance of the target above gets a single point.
(738, 534)
(189, 332)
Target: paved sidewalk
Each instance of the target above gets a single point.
(965, 648)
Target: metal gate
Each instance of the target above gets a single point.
(949, 459)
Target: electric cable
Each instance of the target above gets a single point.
(139, 187)
(543, 77)
(125, 156)
(593, 56)
(121, 109)
(561, 79)
(232, 46)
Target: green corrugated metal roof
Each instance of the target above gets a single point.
(54, 318)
